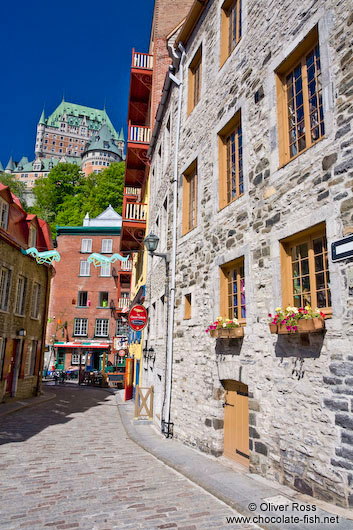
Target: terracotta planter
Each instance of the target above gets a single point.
(273, 328)
(227, 333)
(309, 325)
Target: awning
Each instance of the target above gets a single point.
(80, 345)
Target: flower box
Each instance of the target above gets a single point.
(309, 325)
(273, 328)
(227, 333)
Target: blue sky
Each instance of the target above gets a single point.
(81, 48)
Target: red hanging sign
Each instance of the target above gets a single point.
(122, 353)
(138, 318)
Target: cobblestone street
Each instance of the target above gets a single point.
(68, 463)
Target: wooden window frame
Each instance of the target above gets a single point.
(226, 46)
(195, 80)
(294, 59)
(189, 197)
(187, 306)
(36, 296)
(224, 306)
(21, 292)
(5, 287)
(232, 126)
(306, 236)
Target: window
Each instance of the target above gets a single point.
(231, 178)
(86, 245)
(299, 98)
(107, 246)
(80, 326)
(102, 327)
(35, 300)
(2, 354)
(5, 281)
(75, 358)
(84, 268)
(230, 27)
(122, 327)
(4, 213)
(105, 269)
(31, 358)
(233, 290)
(194, 87)
(187, 306)
(21, 295)
(32, 237)
(189, 198)
(103, 299)
(164, 224)
(82, 298)
(306, 278)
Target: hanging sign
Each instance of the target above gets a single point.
(342, 249)
(122, 353)
(138, 318)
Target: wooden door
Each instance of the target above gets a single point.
(129, 377)
(236, 422)
(12, 365)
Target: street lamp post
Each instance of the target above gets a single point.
(151, 243)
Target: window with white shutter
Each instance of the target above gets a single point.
(35, 300)
(84, 268)
(107, 246)
(4, 214)
(21, 295)
(86, 245)
(105, 269)
(5, 280)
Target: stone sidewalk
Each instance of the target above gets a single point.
(68, 463)
(232, 484)
(13, 406)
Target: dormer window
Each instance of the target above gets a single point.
(32, 237)
(4, 213)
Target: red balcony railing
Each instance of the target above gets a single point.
(135, 211)
(142, 60)
(139, 134)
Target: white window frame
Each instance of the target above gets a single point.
(36, 292)
(102, 327)
(105, 270)
(85, 268)
(2, 354)
(78, 299)
(21, 296)
(80, 327)
(4, 213)
(86, 245)
(75, 358)
(5, 285)
(31, 358)
(107, 246)
(122, 326)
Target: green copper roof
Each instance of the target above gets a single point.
(76, 115)
(42, 118)
(10, 165)
(1, 167)
(121, 135)
(46, 164)
(102, 141)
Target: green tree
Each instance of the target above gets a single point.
(17, 187)
(65, 196)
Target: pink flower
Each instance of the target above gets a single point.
(270, 315)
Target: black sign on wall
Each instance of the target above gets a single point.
(342, 249)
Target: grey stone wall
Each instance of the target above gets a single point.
(300, 394)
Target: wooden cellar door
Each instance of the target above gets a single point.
(236, 422)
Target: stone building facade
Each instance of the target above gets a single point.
(24, 299)
(250, 193)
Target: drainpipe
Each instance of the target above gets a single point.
(179, 83)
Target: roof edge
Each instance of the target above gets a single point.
(190, 22)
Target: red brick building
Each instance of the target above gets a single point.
(88, 304)
(24, 298)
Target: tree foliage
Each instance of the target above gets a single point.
(17, 187)
(66, 195)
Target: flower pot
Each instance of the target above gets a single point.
(282, 329)
(306, 325)
(227, 333)
(273, 328)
